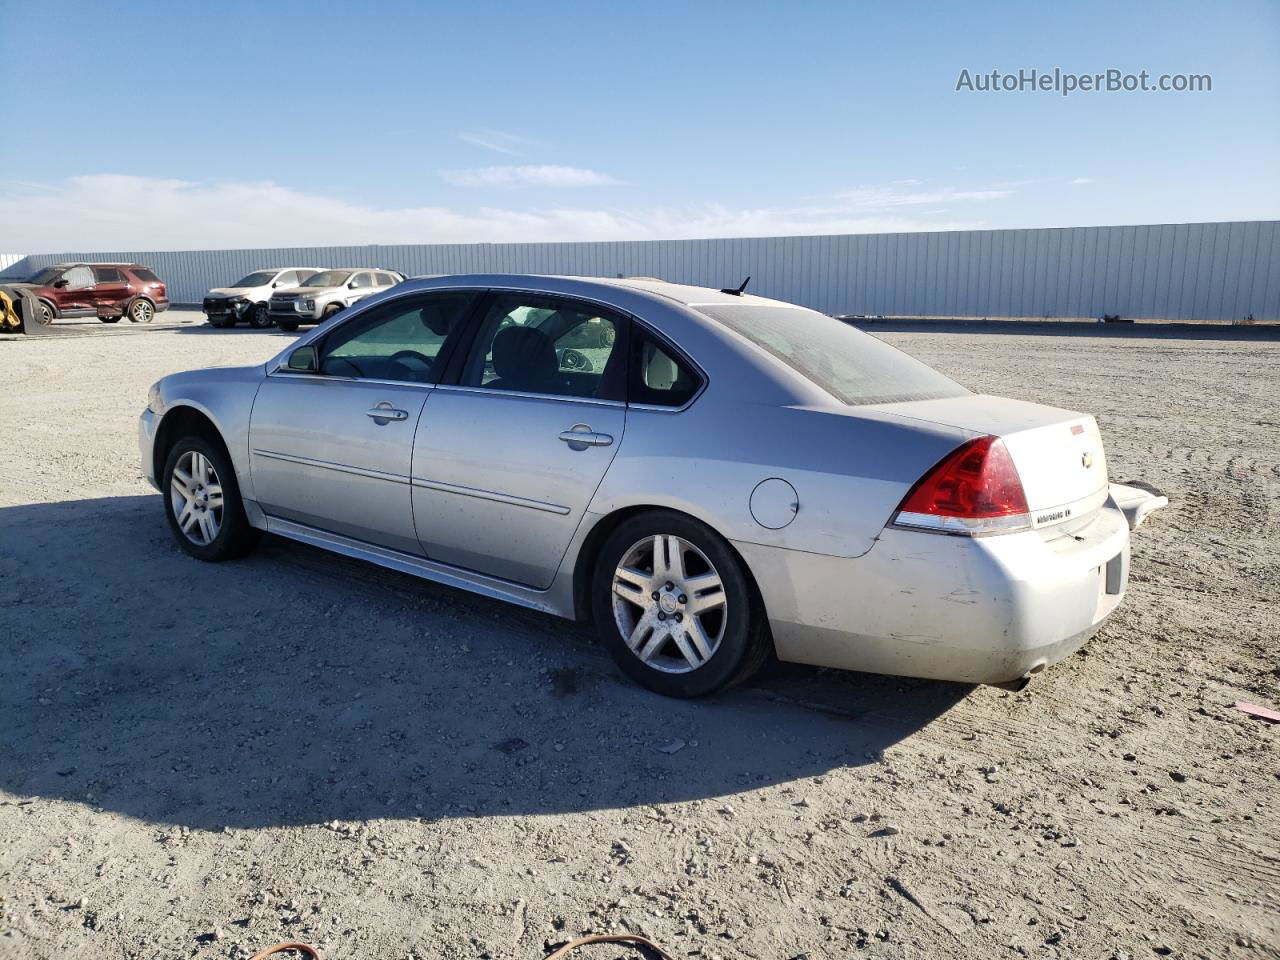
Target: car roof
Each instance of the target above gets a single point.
(683, 294)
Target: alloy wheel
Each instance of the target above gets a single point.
(46, 314)
(196, 498)
(669, 604)
(141, 311)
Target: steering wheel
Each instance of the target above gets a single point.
(576, 360)
(415, 361)
(329, 361)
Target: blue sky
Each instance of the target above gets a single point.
(179, 125)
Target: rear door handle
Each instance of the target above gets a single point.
(385, 412)
(582, 436)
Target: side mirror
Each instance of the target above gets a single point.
(274, 284)
(60, 283)
(351, 285)
(304, 360)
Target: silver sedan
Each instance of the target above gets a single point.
(709, 476)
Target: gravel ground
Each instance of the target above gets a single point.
(200, 761)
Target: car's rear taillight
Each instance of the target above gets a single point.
(974, 490)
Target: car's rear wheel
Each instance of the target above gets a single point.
(259, 316)
(675, 607)
(202, 502)
(142, 310)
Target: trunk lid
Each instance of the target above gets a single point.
(1058, 453)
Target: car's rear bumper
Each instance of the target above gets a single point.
(971, 609)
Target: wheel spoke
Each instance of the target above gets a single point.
(698, 634)
(675, 558)
(181, 475)
(643, 628)
(691, 655)
(631, 584)
(187, 519)
(215, 500)
(206, 526)
(655, 643)
(705, 593)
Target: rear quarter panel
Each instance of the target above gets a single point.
(850, 469)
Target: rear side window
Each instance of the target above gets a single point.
(145, 275)
(854, 367)
(361, 280)
(658, 377)
(108, 275)
(386, 280)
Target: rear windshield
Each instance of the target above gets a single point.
(852, 366)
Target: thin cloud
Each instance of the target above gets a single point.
(880, 198)
(112, 212)
(1081, 181)
(528, 175)
(498, 141)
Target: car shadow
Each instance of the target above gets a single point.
(296, 687)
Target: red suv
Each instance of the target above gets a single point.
(108, 291)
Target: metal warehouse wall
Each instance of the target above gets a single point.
(1190, 271)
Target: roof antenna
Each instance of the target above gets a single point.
(738, 292)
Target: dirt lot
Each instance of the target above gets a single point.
(199, 761)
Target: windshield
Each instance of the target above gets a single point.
(259, 279)
(47, 275)
(852, 366)
(330, 278)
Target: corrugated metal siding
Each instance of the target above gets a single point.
(8, 260)
(1189, 271)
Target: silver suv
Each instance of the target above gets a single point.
(324, 294)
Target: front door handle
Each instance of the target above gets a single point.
(580, 436)
(385, 412)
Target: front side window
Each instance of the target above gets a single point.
(78, 278)
(658, 376)
(537, 344)
(854, 367)
(107, 275)
(400, 340)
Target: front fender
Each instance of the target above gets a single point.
(225, 396)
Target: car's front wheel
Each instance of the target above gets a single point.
(675, 606)
(203, 502)
(260, 316)
(47, 314)
(288, 325)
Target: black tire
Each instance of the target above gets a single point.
(235, 537)
(744, 643)
(108, 319)
(141, 310)
(222, 323)
(47, 313)
(331, 310)
(288, 325)
(260, 316)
